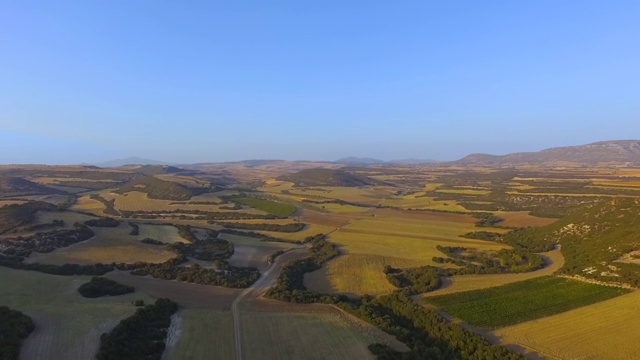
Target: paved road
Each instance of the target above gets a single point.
(258, 288)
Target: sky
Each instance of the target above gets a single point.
(209, 81)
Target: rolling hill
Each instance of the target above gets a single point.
(327, 177)
(620, 152)
(13, 186)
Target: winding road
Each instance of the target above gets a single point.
(260, 287)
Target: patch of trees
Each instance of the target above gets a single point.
(151, 241)
(273, 256)
(487, 219)
(499, 262)
(482, 235)
(12, 216)
(16, 262)
(209, 249)
(161, 189)
(141, 336)
(45, 242)
(172, 270)
(289, 228)
(427, 334)
(135, 229)
(108, 204)
(100, 286)
(103, 222)
(416, 280)
(185, 232)
(15, 327)
(290, 284)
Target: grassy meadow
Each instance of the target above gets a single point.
(68, 326)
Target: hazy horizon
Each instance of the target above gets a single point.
(88, 82)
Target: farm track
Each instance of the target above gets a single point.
(258, 288)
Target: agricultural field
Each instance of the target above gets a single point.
(523, 301)
(268, 206)
(249, 251)
(460, 283)
(107, 246)
(301, 336)
(201, 334)
(606, 330)
(67, 324)
(392, 238)
(138, 201)
(521, 219)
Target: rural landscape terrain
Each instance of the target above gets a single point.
(526, 255)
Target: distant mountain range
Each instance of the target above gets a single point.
(358, 161)
(620, 152)
(133, 160)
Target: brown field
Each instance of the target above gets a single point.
(11, 202)
(54, 198)
(107, 246)
(192, 296)
(605, 330)
(475, 282)
(522, 219)
(309, 230)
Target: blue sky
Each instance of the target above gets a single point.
(88, 81)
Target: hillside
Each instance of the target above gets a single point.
(327, 177)
(161, 189)
(13, 186)
(598, 241)
(604, 152)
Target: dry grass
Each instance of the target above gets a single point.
(399, 239)
(522, 219)
(356, 274)
(309, 230)
(462, 283)
(85, 203)
(464, 191)
(107, 246)
(415, 201)
(164, 233)
(606, 330)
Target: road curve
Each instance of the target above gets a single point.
(258, 288)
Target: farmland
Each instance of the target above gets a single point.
(316, 336)
(390, 238)
(67, 325)
(111, 245)
(522, 301)
(606, 330)
(460, 283)
(399, 219)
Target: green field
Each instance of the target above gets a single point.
(68, 326)
(319, 336)
(523, 301)
(202, 334)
